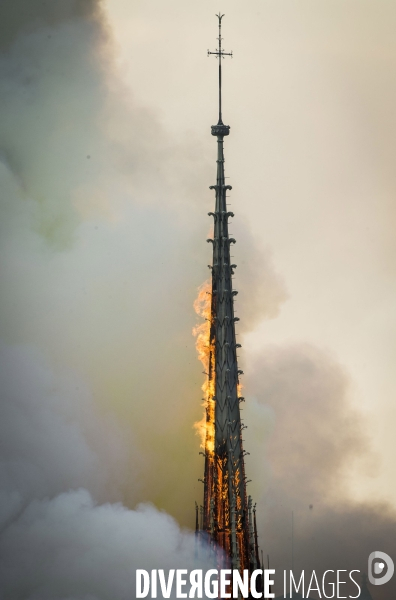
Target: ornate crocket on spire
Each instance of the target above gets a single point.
(227, 511)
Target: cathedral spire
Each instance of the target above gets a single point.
(227, 510)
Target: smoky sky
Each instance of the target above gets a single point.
(100, 384)
(103, 235)
(66, 460)
(315, 440)
(21, 16)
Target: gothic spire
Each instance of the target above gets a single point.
(227, 511)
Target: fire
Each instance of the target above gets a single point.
(202, 306)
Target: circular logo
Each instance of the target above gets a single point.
(380, 568)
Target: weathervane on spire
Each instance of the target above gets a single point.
(220, 54)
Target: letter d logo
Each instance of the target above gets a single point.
(376, 564)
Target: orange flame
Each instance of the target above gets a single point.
(202, 306)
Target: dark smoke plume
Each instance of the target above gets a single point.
(311, 440)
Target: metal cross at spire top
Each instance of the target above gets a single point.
(220, 54)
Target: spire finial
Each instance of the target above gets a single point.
(220, 54)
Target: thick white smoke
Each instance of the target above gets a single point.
(75, 549)
(60, 460)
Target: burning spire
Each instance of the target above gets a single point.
(228, 516)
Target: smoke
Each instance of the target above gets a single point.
(59, 459)
(62, 132)
(261, 290)
(102, 254)
(307, 442)
(73, 548)
(21, 17)
(101, 261)
(52, 438)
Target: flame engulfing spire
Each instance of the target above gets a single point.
(227, 512)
